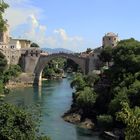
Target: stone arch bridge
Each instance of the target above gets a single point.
(34, 63)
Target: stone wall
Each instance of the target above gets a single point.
(23, 80)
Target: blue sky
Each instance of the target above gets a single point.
(73, 24)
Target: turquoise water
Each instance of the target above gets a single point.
(54, 99)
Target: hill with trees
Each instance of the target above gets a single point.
(112, 99)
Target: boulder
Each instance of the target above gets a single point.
(72, 118)
(88, 124)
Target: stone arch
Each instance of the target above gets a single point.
(44, 59)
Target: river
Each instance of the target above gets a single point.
(54, 99)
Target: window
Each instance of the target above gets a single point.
(109, 38)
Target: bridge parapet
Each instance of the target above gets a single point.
(62, 54)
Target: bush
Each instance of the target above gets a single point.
(86, 98)
(17, 124)
(105, 121)
(131, 118)
(1, 87)
(13, 71)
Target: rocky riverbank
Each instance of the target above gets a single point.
(76, 119)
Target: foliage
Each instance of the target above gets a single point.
(15, 123)
(86, 98)
(34, 45)
(126, 56)
(3, 6)
(115, 104)
(106, 54)
(91, 79)
(3, 63)
(1, 87)
(88, 50)
(78, 83)
(54, 68)
(12, 72)
(105, 121)
(131, 117)
(134, 93)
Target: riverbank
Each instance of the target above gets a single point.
(75, 116)
(23, 80)
(18, 85)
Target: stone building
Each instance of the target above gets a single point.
(19, 44)
(12, 48)
(110, 39)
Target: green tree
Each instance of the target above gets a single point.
(3, 6)
(126, 56)
(88, 50)
(115, 104)
(131, 117)
(106, 54)
(91, 79)
(78, 83)
(12, 72)
(105, 121)
(134, 93)
(86, 98)
(34, 45)
(3, 63)
(1, 87)
(17, 124)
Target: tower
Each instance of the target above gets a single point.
(4, 37)
(110, 39)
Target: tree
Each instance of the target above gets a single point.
(91, 79)
(12, 72)
(3, 63)
(131, 117)
(106, 54)
(105, 121)
(34, 45)
(86, 98)
(78, 83)
(126, 56)
(88, 50)
(115, 104)
(3, 6)
(17, 124)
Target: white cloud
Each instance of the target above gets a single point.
(58, 38)
(27, 18)
(62, 33)
(19, 11)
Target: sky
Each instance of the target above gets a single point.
(73, 24)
